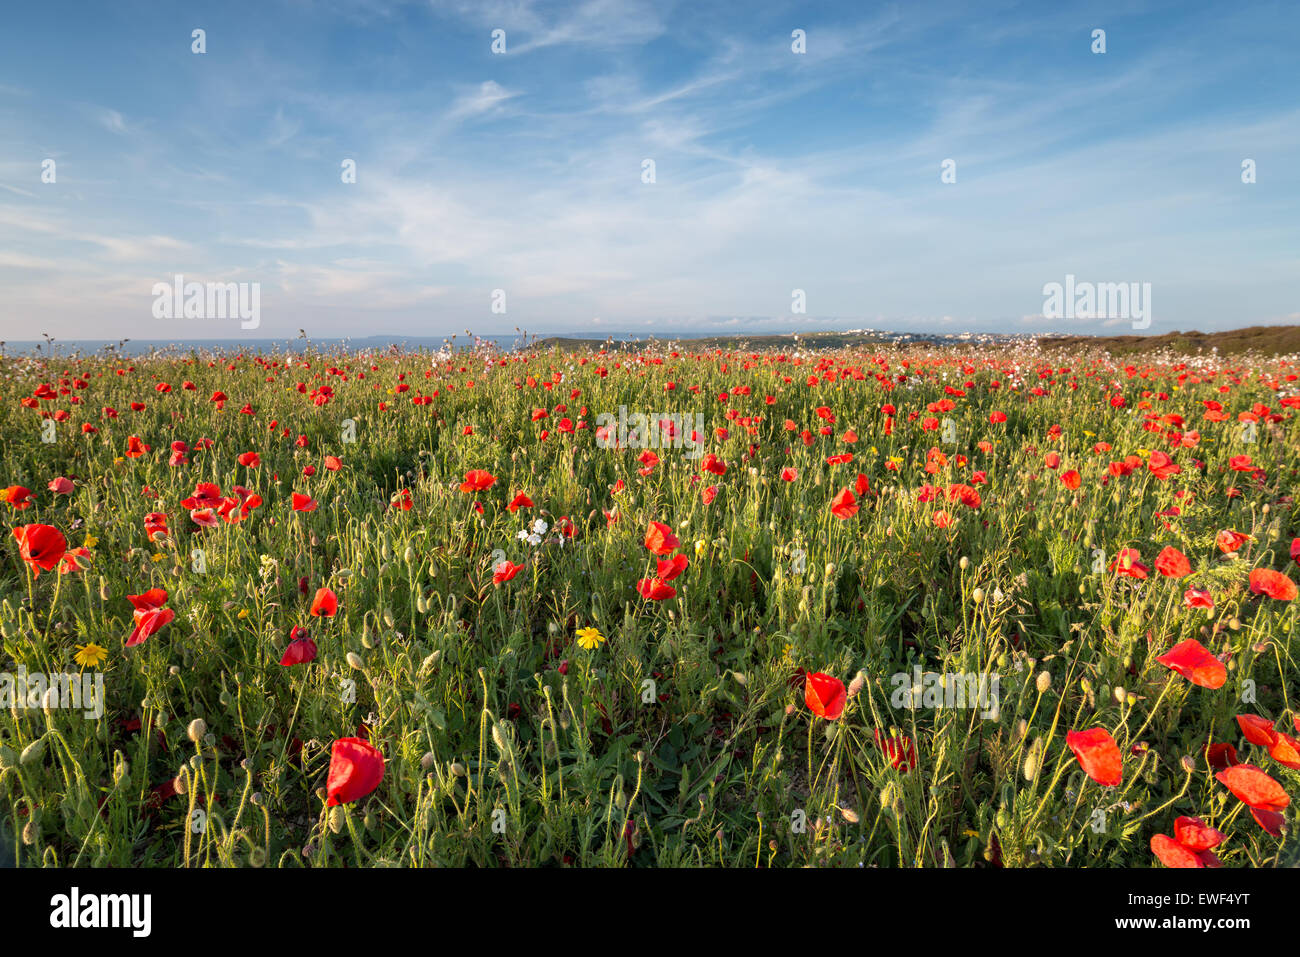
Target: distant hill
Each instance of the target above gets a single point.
(1269, 340)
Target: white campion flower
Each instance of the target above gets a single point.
(540, 527)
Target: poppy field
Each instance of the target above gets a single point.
(897, 607)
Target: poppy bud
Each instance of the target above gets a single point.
(30, 832)
(1043, 682)
(977, 595)
(336, 818)
(426, 762)
(354, 660)
(458, 769)
(1033, 760)
(33, 752)
(197, 729)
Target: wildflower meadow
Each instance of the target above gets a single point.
(895, 607)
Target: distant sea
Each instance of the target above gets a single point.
(135, 347)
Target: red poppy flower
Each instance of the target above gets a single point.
(1191, 660)
(325, 603)
(1192, 845)
(75, 561)
(520, 501)
(206, 495)
(1172, 563)
(303, 503)
(900, 751)
(356, 768)
(42, 547)
(504, 571)
(1265, 581)
(1270, 820)
(149, 621)
(1162, 466)
(148, 601)
(1173, 854)
(249, 460)
(1295, 550)
(1229, 541)
(824, 695)
(789, 475)
(709, 494)
(476, 480)
(17, 496)
(1195, 835)
(844, 505)
(1198, 598)
(1071, 479)
(1257, 730)
(1253, 787)
(402, 500)
(1221, 756)
(64, 486)
(1098, 755)
(1128, 562)
(333, 463)
(659, 538)
(653, 589)
(672, 567)
(301, 650)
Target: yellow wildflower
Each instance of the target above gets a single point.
(90, 655)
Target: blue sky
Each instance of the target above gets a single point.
(522, 171)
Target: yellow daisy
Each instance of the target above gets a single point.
(590, 638)
(90, 655)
